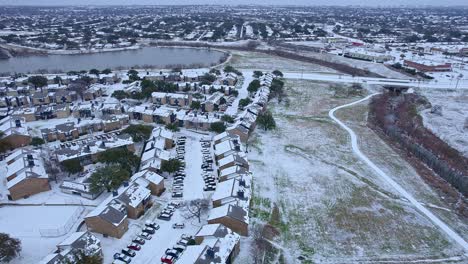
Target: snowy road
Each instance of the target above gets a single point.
(452, 234)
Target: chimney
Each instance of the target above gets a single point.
(210, 253)
(30, 163)
(18, 123)
(242, 182)
(240, 193)
(237, 148)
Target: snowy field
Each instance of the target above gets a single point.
(452, 125)
(34, 224)
(333, 208)
(260, 61)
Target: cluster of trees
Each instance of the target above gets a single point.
(173, 127)
(10, 248)
(229, 68)
(147, 88)
(171, 166)
(244, 102)
(218, 127)
(119, 164)
(207, 79)
(266, 121)
(253, 86)
(398, 117)
(138, 132)
(277, 90)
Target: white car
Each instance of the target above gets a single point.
(178, 226)
(145, 235)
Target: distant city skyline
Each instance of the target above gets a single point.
(414, 3)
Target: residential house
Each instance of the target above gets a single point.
(26, 174)
(87, 150)
(136, 198)
(238, 159)
(151, 180)
(109, 219)
(232, 172)
(77, 243)
(14, 132)
(232, 216)
(215, 244)
(234, 191)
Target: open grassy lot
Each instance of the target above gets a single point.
(260, 61)
(329, 207)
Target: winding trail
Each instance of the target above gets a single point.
(354, 144)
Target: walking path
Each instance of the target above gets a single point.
(354, 144)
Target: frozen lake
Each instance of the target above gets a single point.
(147, 56)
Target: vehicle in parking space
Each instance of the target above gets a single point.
(209, 188)
(122, 257)
(179, 248)
(171, 207)
(178, 226)
(172, 252)
(185, 236)
(134, 246)
(168, 259)
(138, 240)
(145, 235)
(177, 194)
(149, 230)
(168, 212)
(183, 242)
(128, 252)
(176, 204)
(179, 178)
(152, 224)
(165, 217)
(118, 261)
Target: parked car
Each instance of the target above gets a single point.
(185, 236)
(149, 230)
(176, 204)
(172, 252)
(138, 240)
(177, 194)
(122, 257)
(209, 188)
(178, 226)
(167, 211)
(183, 242)
(167, 259)
(165, 217)
(129, 252)
(134, 246)
(152, 224)
(145, 236)
(179, 248)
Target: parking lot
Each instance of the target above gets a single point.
(159, 234)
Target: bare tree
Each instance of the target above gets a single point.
(197, 208)
(78, 86)
(260, 244)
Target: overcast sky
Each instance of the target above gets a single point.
(231, 2)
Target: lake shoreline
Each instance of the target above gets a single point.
(144, 57)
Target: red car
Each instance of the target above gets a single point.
(167, 259)
(134, 246)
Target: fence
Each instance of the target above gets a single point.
(60, 231)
